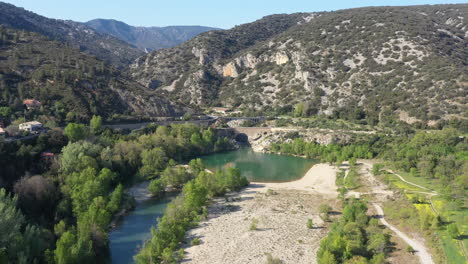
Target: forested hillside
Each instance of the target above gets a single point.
(147, 38)
(407, 63)
(75, 34)
(70, 85)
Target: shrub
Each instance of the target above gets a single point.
(156, 187)
(253, 224)
(272, 260)
(195, 242)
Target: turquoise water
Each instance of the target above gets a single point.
(129, 235)
(261, 167)
(134, 229)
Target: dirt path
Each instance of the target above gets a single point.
(411, 183)
(420, 249)
(379, 189)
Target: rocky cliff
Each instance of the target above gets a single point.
(367, 63)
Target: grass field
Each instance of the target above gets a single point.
(455, 250)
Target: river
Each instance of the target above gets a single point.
(134, 228)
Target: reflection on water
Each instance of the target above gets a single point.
(261, 167)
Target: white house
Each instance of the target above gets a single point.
(30, 126)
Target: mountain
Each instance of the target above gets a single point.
(71, 85)
(147, 38)
(78, 35)
(370, 64)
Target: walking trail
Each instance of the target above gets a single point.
(420, 249)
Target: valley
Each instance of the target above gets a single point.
(311, 137)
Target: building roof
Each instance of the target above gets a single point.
(32, 123)
(220, 109)
(2, 131)
(31, 102)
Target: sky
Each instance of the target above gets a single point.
(215, 13)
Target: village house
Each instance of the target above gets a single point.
(221, 110)
(30, 126)
(31, 103)
(2, 131)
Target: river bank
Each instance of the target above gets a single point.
(282, 211)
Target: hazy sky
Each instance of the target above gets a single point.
(216, 13)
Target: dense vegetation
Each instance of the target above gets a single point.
(366, 64)
(355, 238)
(71, 86)
(440, 156)
(104, 47)
(77, 194)
(436, 159)
(185, 211)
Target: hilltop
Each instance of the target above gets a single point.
(78, 35)
(147, 38)
(373, 65)
(71, 85)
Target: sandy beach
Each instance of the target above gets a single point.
(282, 211)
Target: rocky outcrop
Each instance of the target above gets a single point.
(353, 62)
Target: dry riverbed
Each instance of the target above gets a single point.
(282, 211)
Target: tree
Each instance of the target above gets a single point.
(5, 112)
(324, 210)
(75, 132)
(153, 160)
(19, 242)
(376, 168)
(310, 224)
(410, 249)
(74, 156)
(73, 250)
(95, 124)
(327, 258)
(156, 187)
(299, 110)
(36, 196)
(452, 229)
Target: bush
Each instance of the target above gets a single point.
(253, 224)
(195, 242)
(156, 187)
(272, 260)
(452, 229)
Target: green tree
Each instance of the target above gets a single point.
(452, 229)
(156, 187)
(95, 124)
(153, 160)
(5, 112)
(299, 110)
(73, 250)
(75, 132)
(19, 242)
(310, 224)
(327, 258)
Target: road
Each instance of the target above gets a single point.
(377, 188)
(420, 250)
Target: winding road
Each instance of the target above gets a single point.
(419, 248)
